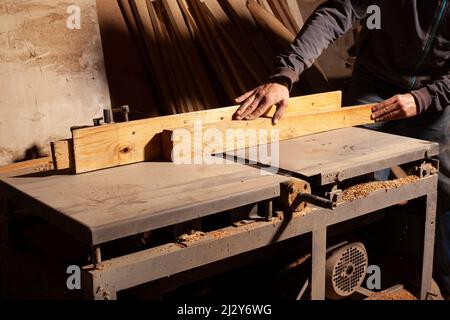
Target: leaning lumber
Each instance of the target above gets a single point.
(279, 8)
(315, 77)
(136, 141)
(237, 42)
(156, 57)
(249, 29)
(190, 54)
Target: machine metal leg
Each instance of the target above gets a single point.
(5, 208)
(269, 210)
(428, 247)
(319, 249)
(96, 256)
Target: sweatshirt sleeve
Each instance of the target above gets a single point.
(330, 20)
(433, 97)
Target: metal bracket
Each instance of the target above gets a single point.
(334, 195)
(125, 110)
(427, 168)
(264, 213)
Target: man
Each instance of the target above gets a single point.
(404, 67)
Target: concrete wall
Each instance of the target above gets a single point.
(51, 77)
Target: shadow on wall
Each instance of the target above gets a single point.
(34, 152)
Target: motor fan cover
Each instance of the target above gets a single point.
(346, 269)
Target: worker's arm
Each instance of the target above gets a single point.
(433, 97)
(330, 21)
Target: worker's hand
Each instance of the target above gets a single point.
(256, 102)
(400, 106)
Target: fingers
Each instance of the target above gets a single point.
(388, 108)
(281, 108)
(264, 104)
(252, 106)
(385, 104)
(397, 114)
(244, 96)
(398, 107)
(255, 103)
(239, 115)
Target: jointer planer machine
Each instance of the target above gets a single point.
(310, 192)
(120, 210)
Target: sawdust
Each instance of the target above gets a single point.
(399, 295)
(219, 234)
(364, 189)
(191, 237)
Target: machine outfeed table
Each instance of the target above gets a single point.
(112, 204)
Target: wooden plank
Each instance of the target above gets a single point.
(296, 13)
(41, 164)
(270, 24)
(192, 57)
(239, 44)
(314, 76)
(174, 60)
(62, 154)
(154, 51)
(283, 15)
(125, 59)
(243, 80)
(291, 126)
(245, 22)
(124, 143)
(266, 6)
(208, 44)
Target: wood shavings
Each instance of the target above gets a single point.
(191, 237)
(364, 189)
(400, 295)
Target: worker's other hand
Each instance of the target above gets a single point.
(400, 106)
(255, 103)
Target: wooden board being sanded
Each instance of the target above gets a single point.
(131, 142)
(197, 142)
(136, 141)
(63, 150)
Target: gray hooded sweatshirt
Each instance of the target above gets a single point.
(411, 50)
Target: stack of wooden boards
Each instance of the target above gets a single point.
(118, 144)
(202, 54)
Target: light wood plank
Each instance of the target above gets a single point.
(291, 126)
(62, 154)
(296, 13)
(41, 164)
(283, 15)
(124, 143)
